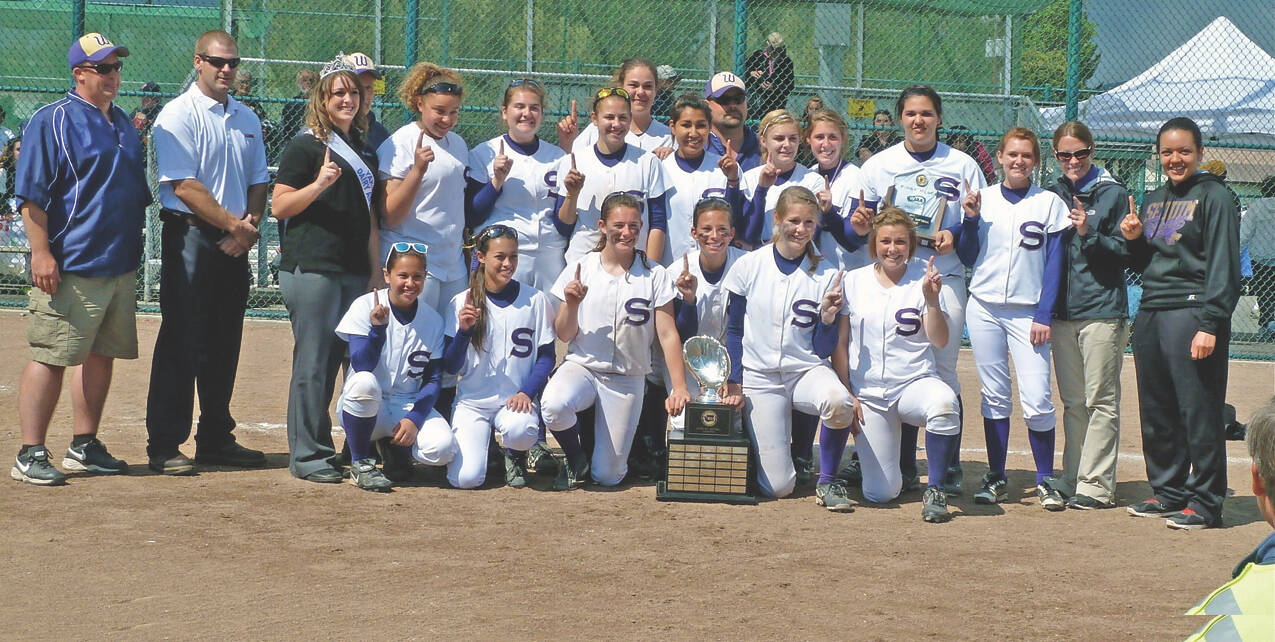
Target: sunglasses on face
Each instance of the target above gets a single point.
(608, 92)
(735, 99)
(525, 82)
(447, 88)
(1079, 154)
(103, 68)
(218, 61)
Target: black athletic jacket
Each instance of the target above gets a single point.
(1189, 251)
(1093, 268)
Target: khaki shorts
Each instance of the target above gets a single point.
(86, 315)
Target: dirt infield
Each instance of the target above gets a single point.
(239, 554)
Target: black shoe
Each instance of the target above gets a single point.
(852, 473)
(540, 460)
(1085, 502)
(92, 457)
(954, 484)
(230, 454)
(1189, 520)
(910, 483)
(325, 476)
(516, 469)
(805, 469)
(397, 466)
(364, 474)
(1153, 508)
(572, 477)
(176, 465)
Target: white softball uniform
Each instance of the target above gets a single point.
(926, 187)
(688, 183)
(491, 376)
(389, 391)
(1004, 291)
(844, 188)
(437, 217)
(780, 368)
(636, 172)
(526, 204)
(800, 175)
(609, 358)
(657, 135)
(892, 371)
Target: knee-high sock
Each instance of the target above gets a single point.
(938, 452)
(832, 443)
(803, 435)
(907, 451)
(1042, 442)
(569, 439)
(996, 431)
(954, 461)
(586, 422)
(443, 404)
(358, 434)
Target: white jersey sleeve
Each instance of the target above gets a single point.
(526, 199)
(438, 210)
(687, 185)
(1010, 267)
(781, 311)
(635, 172)
(845, 190)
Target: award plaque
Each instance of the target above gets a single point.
(914, 194)
(709, 460)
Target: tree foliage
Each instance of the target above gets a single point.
(1043, 61)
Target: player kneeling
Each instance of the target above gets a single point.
(507, 325)
(787, 306)
(395, 367)
(897, 321)
(630, 301)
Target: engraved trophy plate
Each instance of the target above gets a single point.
(916, 194)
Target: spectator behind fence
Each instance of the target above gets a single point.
(12, 231)
(805, 155)
(365, 69)
(879, 139)
(665, 93)
(330, 255)
(1257, 233)
(769, 75)
(212, 173)
(728, 100)
(6, 134)
(150, 104)
(83, 195)
(1251, 592)
(962, 139)
(292, 117)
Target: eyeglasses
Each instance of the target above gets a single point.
(1079, 154)
(528, 82)
(727, 99)
(219, 62)
(448, 88)
(495, 231)
(607, 92)
(103, 68)
(405, 247)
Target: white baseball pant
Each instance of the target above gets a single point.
(361, 396)
(927, 401)
(619, 398)
(998, 333)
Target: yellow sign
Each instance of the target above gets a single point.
(378, 86)
(860, 107)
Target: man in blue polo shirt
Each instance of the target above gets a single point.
(81, 188)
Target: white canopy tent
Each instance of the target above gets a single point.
(1219, 78)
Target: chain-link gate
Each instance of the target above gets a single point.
(997, 63)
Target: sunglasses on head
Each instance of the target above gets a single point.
(405, 247)
(713, 202)
(447, 88)
(527, 82)
(219, 62)
(103, 68)
(607, 92)
(495, 231)
(1079, 154)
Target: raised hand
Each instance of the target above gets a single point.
(468, 314)
(424, 154)
(1079, 218)
(824, 196)
(832, 300)
(973, 201)
(728, 164)
(686, 282)
(500, 166)
(574, 180)
(329, 171)
(933, 283)
(944, 242)
(576, 289)
(380, 314)
(861, 218)
(1131, 226)
(568, 129)
(768, 175)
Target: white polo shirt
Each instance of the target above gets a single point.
(218, 145)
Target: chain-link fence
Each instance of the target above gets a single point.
(998, 63)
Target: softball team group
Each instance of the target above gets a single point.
(630, 235)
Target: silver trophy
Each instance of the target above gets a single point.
(709, 363)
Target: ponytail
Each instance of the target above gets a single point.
(478, 298)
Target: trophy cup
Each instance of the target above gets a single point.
(913, 199)
(708, 461)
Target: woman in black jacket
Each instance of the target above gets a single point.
(1186, 245)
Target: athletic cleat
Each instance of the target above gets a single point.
(954, 485)
(805, 469)
(33, 467)
(91, 457)
(365, 475)
(540, 460)
(834, 497)
(992, 492)
(1189, 520)
(934, 506)
(1152, 508)
(1085, 502)
(516, 469)
(572, 477)
(910, 483)
(852, 473)
(398, 464)
(1050, 499)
